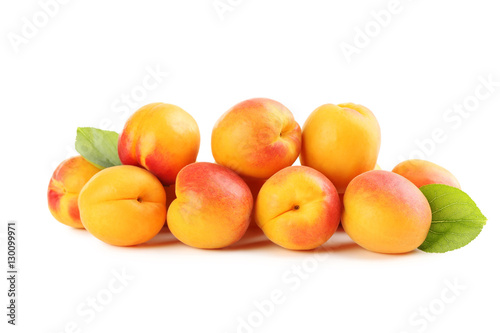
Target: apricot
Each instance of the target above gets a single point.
(162, 138)
(213, 206)
(65, 186)
(298, 208)
(341, 141)
(421, 173)
(256, 138)
(384, 212)
(123, 205)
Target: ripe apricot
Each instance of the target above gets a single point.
(65, 186)
(123, 205)
(256, 138)
(421, 172)
(298, 208)
(213, 206)
(162, 138)
(384, 212)
(341, 141)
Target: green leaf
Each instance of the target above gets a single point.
(99, 147)
(456, 220)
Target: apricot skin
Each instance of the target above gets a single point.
(64, 188)
(162, 138)
(213, 206)
(298, 208)
(386, 213)
(341, 141)
(256, 138)
(123, 205)
(421, 172)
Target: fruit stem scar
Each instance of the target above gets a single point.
(296, 207)
(139, 199)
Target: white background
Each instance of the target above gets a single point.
(74, 70)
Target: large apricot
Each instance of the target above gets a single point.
(123, 205)
(256, 138)
(213, 206)
(341, 141)
(298, 208)
(384, 212)
(162, 138)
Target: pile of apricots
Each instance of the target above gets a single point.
(254, 144)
